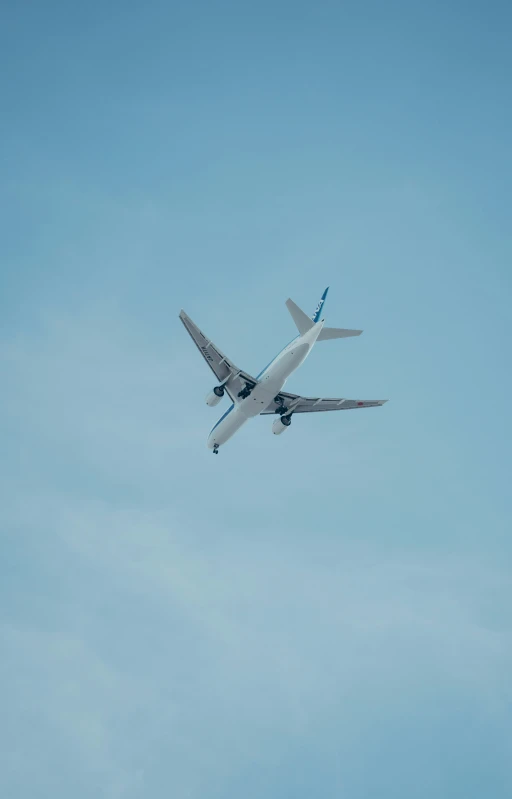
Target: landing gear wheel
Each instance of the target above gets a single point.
(215, 450)
(244, 393)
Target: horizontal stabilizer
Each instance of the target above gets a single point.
(336, 332)
(301, 319)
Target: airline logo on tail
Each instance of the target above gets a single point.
(318, 309)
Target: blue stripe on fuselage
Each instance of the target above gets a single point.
(275, 359)
(222, 418)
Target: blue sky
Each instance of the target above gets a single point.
(325, 613)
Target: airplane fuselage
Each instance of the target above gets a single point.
(270, 383)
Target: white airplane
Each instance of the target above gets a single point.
(262, 395)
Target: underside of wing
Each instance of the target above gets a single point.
(233, 379)
(293, 403)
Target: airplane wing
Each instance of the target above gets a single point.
(233, 378)
(297, 404)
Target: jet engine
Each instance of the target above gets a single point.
(280, 425)
(215, 396)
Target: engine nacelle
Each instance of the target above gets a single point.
(280, 425)
(215, 396)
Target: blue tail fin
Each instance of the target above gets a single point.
(318, 309)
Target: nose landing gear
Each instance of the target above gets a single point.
(216, 449)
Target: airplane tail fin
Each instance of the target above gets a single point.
(319, 307)
(327, 333)
(301, 319)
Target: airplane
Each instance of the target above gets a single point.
(263, 395)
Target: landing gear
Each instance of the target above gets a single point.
(244, 393)
(216, 449)
(281, 407)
